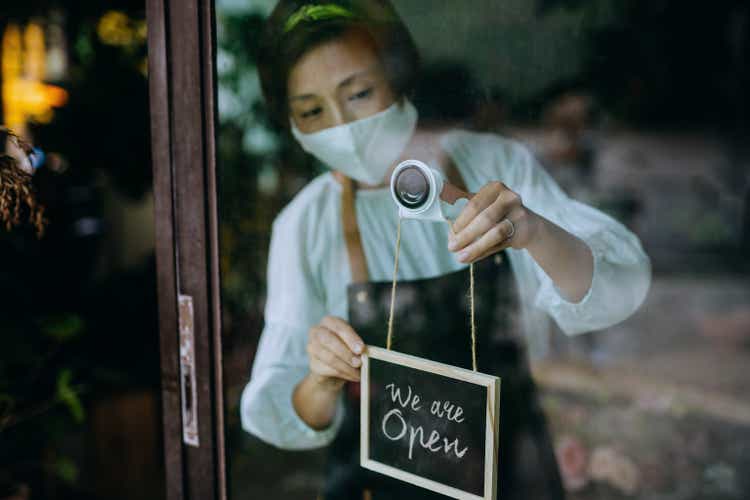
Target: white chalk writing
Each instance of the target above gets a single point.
(414, 432)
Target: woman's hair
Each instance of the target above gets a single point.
(17, 195)
(295, 26)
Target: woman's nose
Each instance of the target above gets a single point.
(339, 115)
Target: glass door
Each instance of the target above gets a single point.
(614, 124)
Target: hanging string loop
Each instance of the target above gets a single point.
(389, 337)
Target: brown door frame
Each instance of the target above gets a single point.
(181, 45)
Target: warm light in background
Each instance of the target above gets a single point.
(116, 28)
(25, 95)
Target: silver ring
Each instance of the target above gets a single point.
(512, 229)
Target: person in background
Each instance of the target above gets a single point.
(18, 162)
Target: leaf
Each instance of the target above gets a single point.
(66, 470)
(68, 395)
(63, 327)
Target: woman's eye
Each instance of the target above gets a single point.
(311, 113)
(361, 95)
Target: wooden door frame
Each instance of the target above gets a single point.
(182, 93)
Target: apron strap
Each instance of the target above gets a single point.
(453, 175)
(357, 260)
(352, 238)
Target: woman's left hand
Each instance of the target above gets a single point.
(493, 220)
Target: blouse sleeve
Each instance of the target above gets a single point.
(622, 270)
(293, 305)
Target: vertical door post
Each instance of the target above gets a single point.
(182, 95)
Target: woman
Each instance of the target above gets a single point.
(338, 74)
(18, 163)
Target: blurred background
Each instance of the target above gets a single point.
(79, 359)
(639, 108)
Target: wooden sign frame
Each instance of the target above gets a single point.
(492, 385)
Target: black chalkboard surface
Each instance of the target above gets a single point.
(430, 424)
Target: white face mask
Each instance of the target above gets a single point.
(364, 149)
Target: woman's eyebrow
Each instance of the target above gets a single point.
(353, 77)
(302, 97)
(342, 84)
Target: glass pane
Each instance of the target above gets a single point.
(78, 417)
(617, 312)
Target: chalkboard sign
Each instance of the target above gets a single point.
(430, 424)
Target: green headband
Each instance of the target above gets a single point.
(320, 12)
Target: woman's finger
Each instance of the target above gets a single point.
(344, 369)
(345, 332)
(323, 338)
(476, 205)
(322, 369)
(334, 366)
(496, 236)
(493, 250)
(451, 194)
(483, 222)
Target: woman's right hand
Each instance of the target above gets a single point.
(334, 349)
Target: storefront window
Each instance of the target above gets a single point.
(611, 288)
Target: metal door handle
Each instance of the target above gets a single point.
(188, 389)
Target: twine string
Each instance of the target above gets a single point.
(389, 338)
(471, 318)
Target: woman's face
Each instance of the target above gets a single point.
(338, 82)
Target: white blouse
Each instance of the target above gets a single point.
(308, 272)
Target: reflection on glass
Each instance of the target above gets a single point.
(542, 96)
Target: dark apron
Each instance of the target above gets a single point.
(431, 320)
